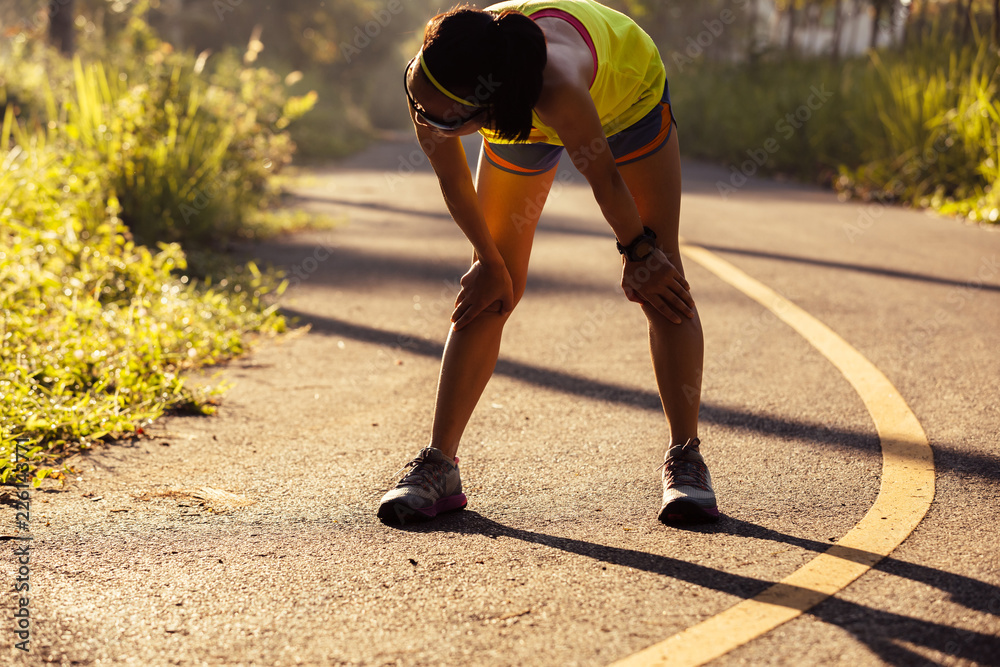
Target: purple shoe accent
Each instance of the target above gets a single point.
(457, 501)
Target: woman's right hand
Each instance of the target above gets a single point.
(485, 288)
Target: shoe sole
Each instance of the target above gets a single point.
(398, 513)
(685, 511)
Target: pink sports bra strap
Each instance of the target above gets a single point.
(575, 22)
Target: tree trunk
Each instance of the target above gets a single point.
(812, 12)
(790, 42)
(904, 39)
(918, 29)
(838, 23)
(965, 21)
(876, 15)
(174, 9)
(752, 29)
(62, 14)
(996, 21)
(852, 40)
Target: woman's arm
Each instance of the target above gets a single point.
(487, 285)
(571, 113)
(569, 110)
(447, 158)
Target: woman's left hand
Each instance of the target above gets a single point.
(656, 281)
(486, 287)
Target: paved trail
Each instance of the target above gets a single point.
(559, 559)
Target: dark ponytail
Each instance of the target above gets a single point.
(495, 61)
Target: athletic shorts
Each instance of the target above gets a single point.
(641, 139)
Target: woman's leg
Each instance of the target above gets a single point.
(511, 204)
(677, 349)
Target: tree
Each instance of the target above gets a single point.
(752, 29)
(996, 21)
(62, 16)
(963, 20)
(880, 7)
(838, 29)
(918, 30)
(790, 39)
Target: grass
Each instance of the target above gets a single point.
(104, 167)
(919, 127)
(97, 330)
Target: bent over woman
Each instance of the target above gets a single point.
(536, 78)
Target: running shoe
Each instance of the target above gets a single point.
(687, 486)
(431, 486)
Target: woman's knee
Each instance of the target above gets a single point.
(657, 319)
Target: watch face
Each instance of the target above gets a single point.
(644, 249)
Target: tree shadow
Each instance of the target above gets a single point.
(881, 631)
(946, 456)
(874, 270)
(348, 267)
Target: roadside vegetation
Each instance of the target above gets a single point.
(115, 165)
(916, 122)
(914, 127)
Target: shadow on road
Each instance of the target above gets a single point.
(348, 267)
(548, 224)
(874, 270)
(881, 631)
(946, 456)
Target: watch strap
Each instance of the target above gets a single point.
(629, 251)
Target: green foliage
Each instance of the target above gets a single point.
(97, 327)
(96, 330)
(190, 144)
(919, 127)
(930, 124)
(792, 110)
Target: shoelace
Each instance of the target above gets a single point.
(422, 472)
(678, 471)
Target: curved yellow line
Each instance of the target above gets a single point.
(906, 492)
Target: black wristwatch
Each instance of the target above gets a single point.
(640, 248)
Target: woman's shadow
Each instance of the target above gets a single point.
(883, 631)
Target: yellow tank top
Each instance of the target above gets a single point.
(630, 77)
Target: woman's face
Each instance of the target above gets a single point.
(427, 99)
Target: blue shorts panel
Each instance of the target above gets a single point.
(642, 138)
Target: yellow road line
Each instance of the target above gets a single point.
(905, 495)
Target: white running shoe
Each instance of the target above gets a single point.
(431, 486)
(687, 486)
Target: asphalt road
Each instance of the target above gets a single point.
(559, 559)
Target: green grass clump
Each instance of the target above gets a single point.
(96, 330)
(930, 124)
(919, 127)
(108, 163)
(792, 110)
(190, 143)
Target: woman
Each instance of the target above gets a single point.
(536, 78)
